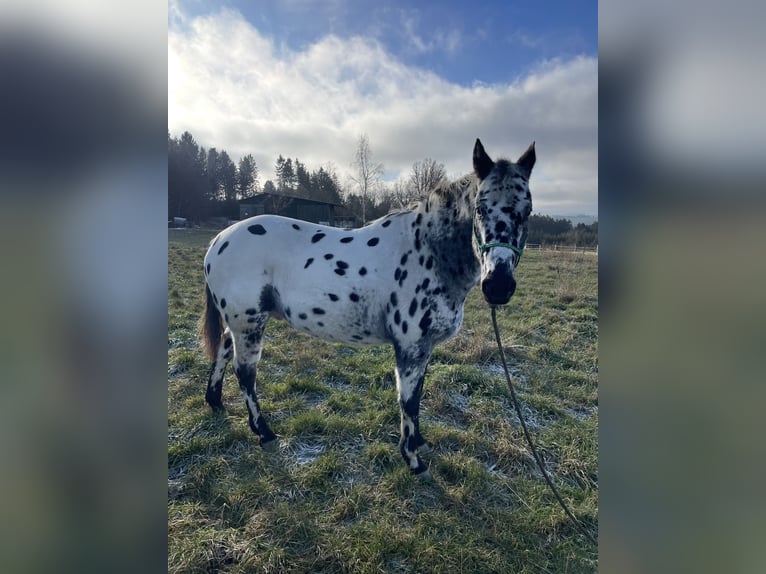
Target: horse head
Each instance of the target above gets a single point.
(503, 205)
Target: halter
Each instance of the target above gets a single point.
(484, 247)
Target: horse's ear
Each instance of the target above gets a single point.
(482, 164)
(527, 160)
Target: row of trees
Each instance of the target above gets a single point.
(545, 230)
(292, 178)
(207, 183)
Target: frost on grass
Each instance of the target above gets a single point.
(534, 419)
(176, 480)
(582, 413)
(496, 370)
(302, 452)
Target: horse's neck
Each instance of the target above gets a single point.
(447, 226)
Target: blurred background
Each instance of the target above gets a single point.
(83, 179)
(83, 216)
(681, 283)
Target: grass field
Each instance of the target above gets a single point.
(337, 496)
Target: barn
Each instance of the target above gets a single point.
(311, 210)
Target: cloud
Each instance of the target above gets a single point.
(235, 88)
(446, 41)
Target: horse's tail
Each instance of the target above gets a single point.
(211, 326)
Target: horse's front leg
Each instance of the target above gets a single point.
(410, 374)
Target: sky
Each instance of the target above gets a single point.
(306, 78)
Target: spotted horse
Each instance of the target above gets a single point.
(402, 279)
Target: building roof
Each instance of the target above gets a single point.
(260, 197)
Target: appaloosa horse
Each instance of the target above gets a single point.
(402, 279)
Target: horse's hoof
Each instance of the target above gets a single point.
(215, 402)
(270, 446)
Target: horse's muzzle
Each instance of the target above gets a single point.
(498, 286)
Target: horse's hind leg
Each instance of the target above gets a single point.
(215, 381)
(247, 352)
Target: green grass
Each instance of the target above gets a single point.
(337, 497)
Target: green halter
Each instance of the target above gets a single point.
(483, 247)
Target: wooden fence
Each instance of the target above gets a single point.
(562, 248)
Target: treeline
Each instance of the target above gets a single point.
(203, 184)
(294, 179)
(206, 183)
(545, 230)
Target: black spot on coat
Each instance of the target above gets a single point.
(317, 237)
(373, 242)
(224, 246)
(257, 229)
(309, 261)
(346, 239)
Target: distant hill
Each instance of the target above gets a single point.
(575, 219)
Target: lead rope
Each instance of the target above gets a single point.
(529, 438)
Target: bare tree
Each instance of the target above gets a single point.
(368, 174)
(401, 193)
(424, 177)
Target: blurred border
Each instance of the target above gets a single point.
(83, 229)
(83, 174)
(681, 165)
